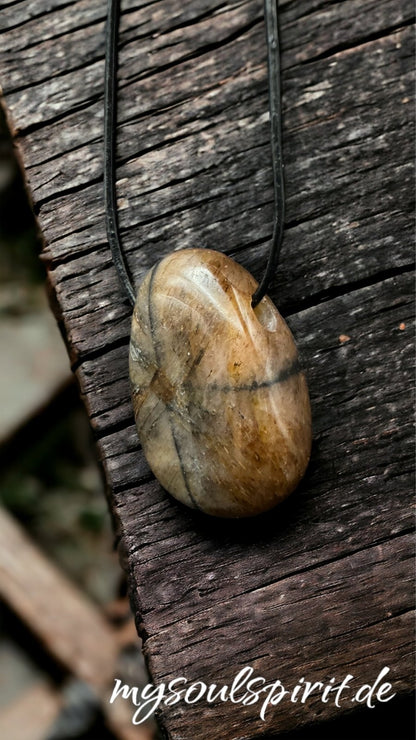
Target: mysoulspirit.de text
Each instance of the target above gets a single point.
(247, 689)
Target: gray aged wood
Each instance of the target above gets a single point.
(323, 586)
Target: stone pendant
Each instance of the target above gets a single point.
(221, 405)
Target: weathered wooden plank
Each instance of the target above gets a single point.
(348, 242)
(31, 716)
(67, 624)
(71, 629)
(330, 571)
(287, 630)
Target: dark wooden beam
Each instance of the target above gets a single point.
(322, 587)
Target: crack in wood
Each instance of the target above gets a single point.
(360, 41)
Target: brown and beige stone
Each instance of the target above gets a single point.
(221, 405)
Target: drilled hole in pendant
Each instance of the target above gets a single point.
(266, 313)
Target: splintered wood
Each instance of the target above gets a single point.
(323, 586)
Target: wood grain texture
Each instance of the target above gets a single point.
(324, 586)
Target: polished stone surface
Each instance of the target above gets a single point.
(221, 405)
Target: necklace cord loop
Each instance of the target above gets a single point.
(273, 63)
(110, 124)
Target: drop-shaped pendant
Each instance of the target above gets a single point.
(221, 405)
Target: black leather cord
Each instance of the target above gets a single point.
(110, 123)
(273, 61)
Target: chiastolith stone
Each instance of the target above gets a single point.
(221, 405)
